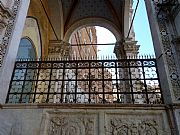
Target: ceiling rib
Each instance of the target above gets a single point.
(73, 7)
(113, 11)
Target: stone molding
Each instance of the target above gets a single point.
(9, 31)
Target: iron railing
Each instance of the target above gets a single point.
(85, 81)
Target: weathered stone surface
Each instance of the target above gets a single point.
(9, 124)
(20, 122)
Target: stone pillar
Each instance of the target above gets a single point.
(128, 49)
(12, 21)
(59, 49)
(163, 33)
(164, 50)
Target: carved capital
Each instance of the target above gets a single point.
(58, 49)
(126, 48)
(131, 47)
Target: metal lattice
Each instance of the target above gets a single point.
(85, 81)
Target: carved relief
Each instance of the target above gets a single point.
(124, 127)
(120, 126)
(162, 18)
(71, 125)
(5, 14)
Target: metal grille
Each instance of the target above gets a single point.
(85, 81)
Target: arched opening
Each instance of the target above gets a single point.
(93, 22)
(32, 33)
(92, 42)
(26, 50)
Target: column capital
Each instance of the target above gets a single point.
(58, 49)
(126, 48)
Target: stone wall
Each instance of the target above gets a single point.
(83, 120)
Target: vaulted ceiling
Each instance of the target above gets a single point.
(64, 14)
(75, 10)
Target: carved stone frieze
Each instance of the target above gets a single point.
(8, 31)
(118, 126)
(167, 44)
(71, 124)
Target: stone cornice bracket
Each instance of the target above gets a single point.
(5, 14)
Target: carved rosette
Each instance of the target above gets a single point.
(162, 18)
(9, 28)
(71, 125)
(122, 126)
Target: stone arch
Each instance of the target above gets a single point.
(32, 32)
(29, 47)
(95, 22)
